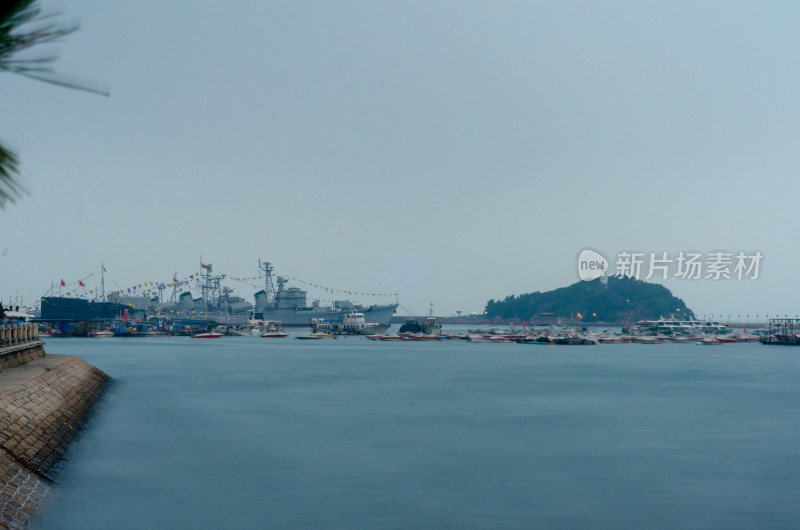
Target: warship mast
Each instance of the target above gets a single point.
(266, 268)
(211, 288)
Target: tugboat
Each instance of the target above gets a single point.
(429, 327)
(411, 326)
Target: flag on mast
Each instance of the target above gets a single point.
(62, 283)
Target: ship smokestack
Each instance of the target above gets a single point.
(261, 301)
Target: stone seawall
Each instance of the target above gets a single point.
(13, 356)
(38, 419)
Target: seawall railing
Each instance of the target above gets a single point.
(15, 334)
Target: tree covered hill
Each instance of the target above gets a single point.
(617, 300)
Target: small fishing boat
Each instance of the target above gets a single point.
(647, 339)
(207, 335)
(101, 333)
(418, 336)
(533, 339)
(271, 329)
(348, 324)
(607, 339)
(316, 336)
(573, 340)
(385, 337)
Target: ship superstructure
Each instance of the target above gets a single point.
(289, 305)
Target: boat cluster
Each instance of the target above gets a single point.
(267, 329)
(564, 336)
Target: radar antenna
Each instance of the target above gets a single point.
(266, 269)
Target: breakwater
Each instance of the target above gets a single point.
(44, 400)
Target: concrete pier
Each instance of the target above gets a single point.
(44, 400)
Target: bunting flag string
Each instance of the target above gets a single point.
(344, 291)
(151, 288)
(188, 282)
(80, 281)
(247, 281)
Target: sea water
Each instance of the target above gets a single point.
(244, 432)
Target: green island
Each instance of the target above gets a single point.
(606, 300)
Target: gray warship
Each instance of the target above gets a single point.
(288, 305)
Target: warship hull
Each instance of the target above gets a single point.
(302, 317)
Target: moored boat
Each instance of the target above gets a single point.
(207, 335)
(349, 324)
(271, 329)
(316, 336)
(101, 333)
(431, 326)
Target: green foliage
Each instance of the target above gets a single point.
(2, 311)
(620, 300)
(10, 189)
(23, 26)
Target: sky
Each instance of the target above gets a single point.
(451, 152)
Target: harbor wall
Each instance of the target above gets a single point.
(20, 354)
(19, 344)
(38, 420)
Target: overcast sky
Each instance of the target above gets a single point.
(451, 152)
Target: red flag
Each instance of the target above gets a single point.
(175, 279)
(203, 265)
(63, 284)
(80, 282)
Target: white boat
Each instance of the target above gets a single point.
(316, 336)
(349, 324)
(647, 339)
(207, 335)
(100, 333)
(271, 329)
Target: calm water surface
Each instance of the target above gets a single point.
(245, 432)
